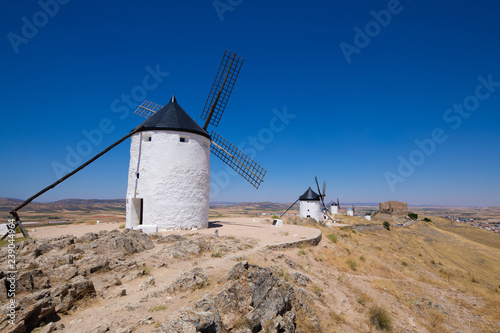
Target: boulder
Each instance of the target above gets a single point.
(149, 283)
(301, 279)
(193, 279)
(188, 320)
(254, 299)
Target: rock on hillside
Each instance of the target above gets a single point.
(54, 274)
(253, 299)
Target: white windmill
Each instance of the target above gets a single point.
(334, 208)
(350, 211)
(312, 204)
(169, 173)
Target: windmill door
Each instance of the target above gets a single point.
(137, 211)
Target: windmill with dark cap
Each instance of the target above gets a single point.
(312, 204)
(169, 171)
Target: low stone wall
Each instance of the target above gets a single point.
(313, 241)
(364, 227)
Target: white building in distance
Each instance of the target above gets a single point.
(169, 173)
(334, 209)
(309, 205)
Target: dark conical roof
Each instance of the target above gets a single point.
(172, 117)
(309, 195)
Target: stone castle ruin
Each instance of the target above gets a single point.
(393, 208)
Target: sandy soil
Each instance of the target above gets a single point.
(134, 306)
(342, 296)
(76, 230)
(238, 227)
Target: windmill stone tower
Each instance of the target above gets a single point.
(169, 173)
(309, 205)
(334, 208)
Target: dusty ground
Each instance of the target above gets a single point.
(419, 275)
(257, 228)
(76, 230)
(129, 306)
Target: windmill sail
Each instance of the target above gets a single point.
(221, 88)
(212, 112)
(147, 108)
(237, 160)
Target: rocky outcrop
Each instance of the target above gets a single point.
(253, 299)
(45, 305)
(55, 274)
(193, 279)
(299, 278)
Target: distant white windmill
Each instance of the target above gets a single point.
(312, 204)
(350, 211)
(334, 207)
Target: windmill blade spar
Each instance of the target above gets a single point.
(321, 195)
(147, 109)
(317, 185)
(221, 88)
(237, 160)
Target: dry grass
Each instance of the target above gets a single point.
(304, 322)
(157, 308)
(333, 238)
(419, 262)
(380, 318)
(363, 298)
(352, 264)
(317, 290)
(337, 317)
(436, 321)
(474, 234)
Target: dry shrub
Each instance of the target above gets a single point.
(305, 322)
(363, 298)
(332, 238)
(380, 318)
(436, 321)
(352, 264)
(337, 317)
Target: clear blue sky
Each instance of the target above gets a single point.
(360, 100)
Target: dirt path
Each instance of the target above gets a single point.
(144, 307)
(256, 228)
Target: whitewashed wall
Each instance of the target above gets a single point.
(174, 180)
(311, 208)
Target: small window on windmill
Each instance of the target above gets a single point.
(184, 139)
(147, 137)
